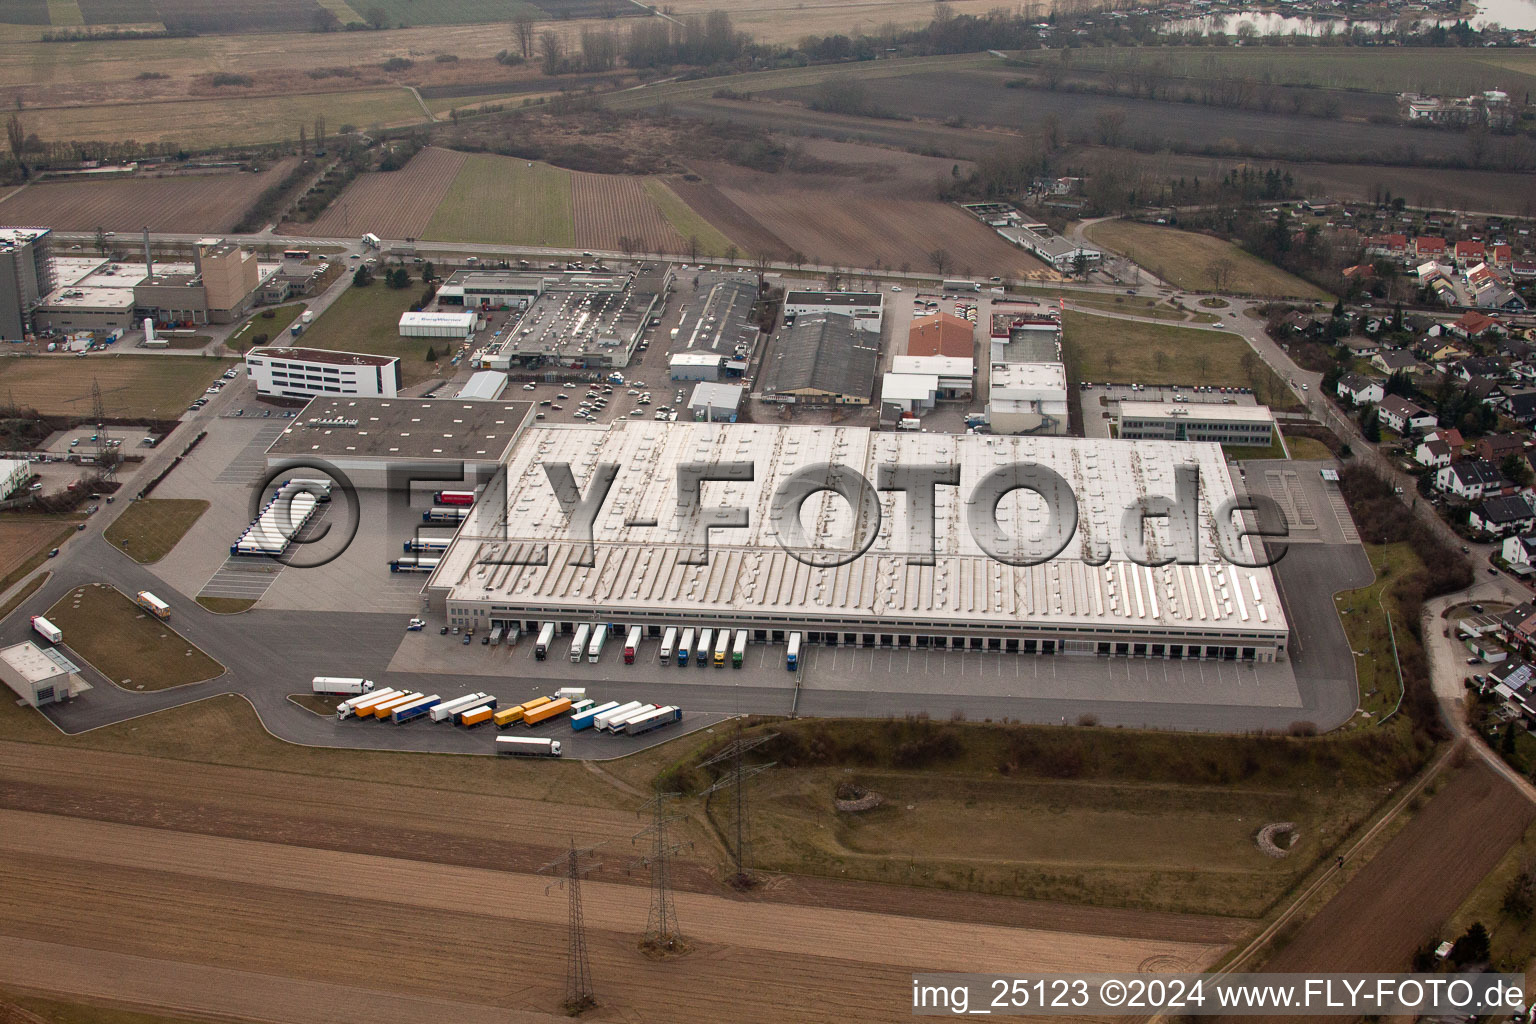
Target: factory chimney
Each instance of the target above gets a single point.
(149, 263)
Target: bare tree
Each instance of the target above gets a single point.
(1111, 361)
(319, 132)
(731, 253)
(940, 260)
(693, 248)
(1111, 123)
(377, 17)
(522, 31)
(1202, 365)
(1160, 360)
(552, 50)
(1220, 273)
(303, 141)
(16, 135)
(626, 245)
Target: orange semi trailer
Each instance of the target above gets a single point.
(514, 714)
(546, 711)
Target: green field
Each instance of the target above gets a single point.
(272, 321)
(1187, 260)
(208, 123)
(1100, 348)
(132, 387)
(685, 220)
(368, 320)
(502, 199)
(127, 644)
(1307, 448)
(148, 529)
(443, 12)
(1363, 613)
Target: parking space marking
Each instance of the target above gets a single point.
(251, 463)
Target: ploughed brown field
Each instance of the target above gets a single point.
(223, 889)
(175, 202)
(390, 204)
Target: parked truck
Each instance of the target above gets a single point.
(602, 718)
(527, 746)
(544, 712)
(573, 693)
(706, 641)
(652, 720)
(475, 716)
(668, 644)
(363, 705)
(546, 637)
(583, 719)
(445, 711)
(579, 641)
(514, 714)
(47, 630)
(792, 656)
(460, 498)
(595, 645)
(152, 604)
(383, 708)
(722, 646)
(415, 709)
(684, 645)
(631, 645)
(340, 686)
(616, 721)
(739, 650)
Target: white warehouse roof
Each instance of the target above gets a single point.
(484, 386)
(466, 321)
(909, 387)
(642, 539)
(1197, 411)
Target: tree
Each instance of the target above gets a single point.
(732, 253)
(1160, 360)
(303, 141)
(398, 277)
(552, 50)
(1080, 264)
(319, 133)
(362, 278)
(431, 355)
(940, 260)
(376, 17)
(522, 31)
(16, 135)
(101, 240)
(428, 272)
(1507, 741)
(1370, 423)
(1220, 273)
(1472, 947)
(1110, 122)
(324, 21)
(1516, 469)
(1111, 361)
(1202, 365)
(693, 248)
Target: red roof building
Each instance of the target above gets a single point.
(1469, 252)
(942, 335)
(1428, 245)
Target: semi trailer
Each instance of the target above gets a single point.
(616, 721)
(415, 709)
(583, 719)
(544, 712)
(47, 630)
(631, 645)
(651, 720)
(446, 709)
(363, 705)
(152, 604)
(602, 718)
(595, 644)
(527, 746)
(514, 714)
(340, 686)
(579, 641)
(475, 716)
(546, 637)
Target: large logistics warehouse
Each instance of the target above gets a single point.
(641, 574)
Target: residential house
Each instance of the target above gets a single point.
(1479, 366)
(1434, 454)
(1519, 405)
(1387, 245)
(1500, 255)
(1450, 435)
(1503, 515)
(1517, 627)
(1437, 351)
(1522, 268)
(1403, 416)
(1360, 390)
(1515, 682)
(1429, 247)
(1300, 323)
(1361, 347)
(1519, 552)
(1495, 447)
(1474, 325)
(1468, 252)
(1393, 360)
(1470, 479)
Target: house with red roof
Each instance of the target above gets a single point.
(1468, 252)
(1428, 245)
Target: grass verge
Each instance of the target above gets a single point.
(30, 531)
(273, 322)
(148, 529)
(1100, 348)
(125, 643)
(227, 605)
(1200, 262)
(22, 594)
(1363, 613)
(1243, 453)
(1307, 448)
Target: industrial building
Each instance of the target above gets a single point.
(656, 561)
(458, 327)
(484, 386)
(308, 372)
(1027, 385)
(14, 474)
(1059, 252)
(712, 402)
(573, 322)
(371, 439)
(722, 325)
(40, 676)
(866, 308)
(941, 334)
(1197, 421)
(26, 275)
(821, 359)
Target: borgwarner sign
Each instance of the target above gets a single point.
(1238, 518)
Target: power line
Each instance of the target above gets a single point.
(579, 995)
(736, 780)
(662, 934)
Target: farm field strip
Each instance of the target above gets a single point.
(391, 204)
(504, 199)
(228, 121)
(204, 202)
(610, 207)
(1185, 259)
(711, 205)
(685, 220)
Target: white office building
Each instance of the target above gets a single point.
(313, 372)
(14, 474)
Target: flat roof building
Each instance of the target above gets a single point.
(453, 326)
(1197, 421)
(711, 401)
(821, 359)
(650, 564)
(1028, 398)
(14, 474)
(866, 308)
(1059, 252)
(26, 275)
(308, 372)
(484, 386)
(573, 322)
(40, 676)
(722, 324)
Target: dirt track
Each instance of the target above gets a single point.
(233, 918)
